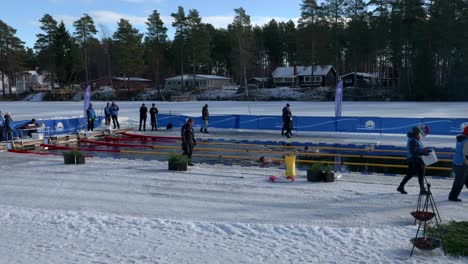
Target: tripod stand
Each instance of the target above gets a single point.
(425, 212)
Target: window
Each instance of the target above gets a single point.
(317, 78)
(307, 79)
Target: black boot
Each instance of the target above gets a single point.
(201, 130)
(206, 131)
(401, 189)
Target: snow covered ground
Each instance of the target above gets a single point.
(135, 211)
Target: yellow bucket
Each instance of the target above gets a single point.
(290, 165)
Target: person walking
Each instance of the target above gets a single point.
(205, 117)
(143, 116)
(107, 114)
(414, 151)
(2, 126)
(188, 139)
(287, 121)
(460, 163)
(114, 111)
(91, 117)
(9, 126)
(154, 117)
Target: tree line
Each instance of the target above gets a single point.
(420, 47)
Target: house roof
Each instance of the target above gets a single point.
(363, 74)
(301, 71)
(131, 79)
(198, 77)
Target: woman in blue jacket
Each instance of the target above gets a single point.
(414, 151)
(91, 117)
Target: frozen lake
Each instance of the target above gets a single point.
(46, 110)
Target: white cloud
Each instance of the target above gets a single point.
(142, 1)
(110, 17)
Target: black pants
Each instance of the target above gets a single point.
(415, 167)
(91, 124)
(187, 148)
(1, 133)
(108, 120)
(9, 134)
(154, 124)
(461, 179)
(142, 120)
(287, 125)
(116, 122)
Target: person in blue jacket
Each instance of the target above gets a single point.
(91, 117)
(2, 126)
(414, 151)
(9, 126)
(114, 111)
(460, 162)
(107, 114)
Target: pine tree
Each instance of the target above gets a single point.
(11, 54)
(84, 31)
(243, 41)
(308, 29)
(45, 44)
(65, 71)
(180, 38)
(156, 40)
(129, 50)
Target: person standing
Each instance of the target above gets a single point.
(287, 121)
(2, 126)
(414, 151)
(143, 116)
(9, 126)
(154, 117)
(107, 114)
(460, 162)
(188, 139)
(114, 111)
(205, 117)
(91, 117)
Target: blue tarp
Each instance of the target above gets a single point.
(348, 124)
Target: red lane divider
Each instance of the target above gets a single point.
(138, 139)
(32, 152)
(84, 149)
(102, 143)
(147, 136)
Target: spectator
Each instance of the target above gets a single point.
(460, 163)
(114, 111)
(205, 117)
(154, 117)
(287, 121)
(143, 116)
(9, 126)
(188, 139)
(2, 126)
(107, 114)
(91, 117)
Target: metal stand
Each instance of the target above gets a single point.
(425, 212)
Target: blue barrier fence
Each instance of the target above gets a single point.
(55, 126)
(349, 124)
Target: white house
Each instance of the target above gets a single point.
(324, 75)
(200, 81)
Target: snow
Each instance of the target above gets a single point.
(136, 211)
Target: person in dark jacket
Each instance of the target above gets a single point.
(107, 114)
(460, 162)
(91, 117)
(287, 121)
(2, 126)
(205, 117)
(154, 117)
(414, 151)
(143, 116)
(114, 111)
(9, 126)
(188, 139)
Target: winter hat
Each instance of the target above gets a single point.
(465, 131)
(416, 130)
(206, 105)
(287, 105)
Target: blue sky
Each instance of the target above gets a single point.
(24, 15)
